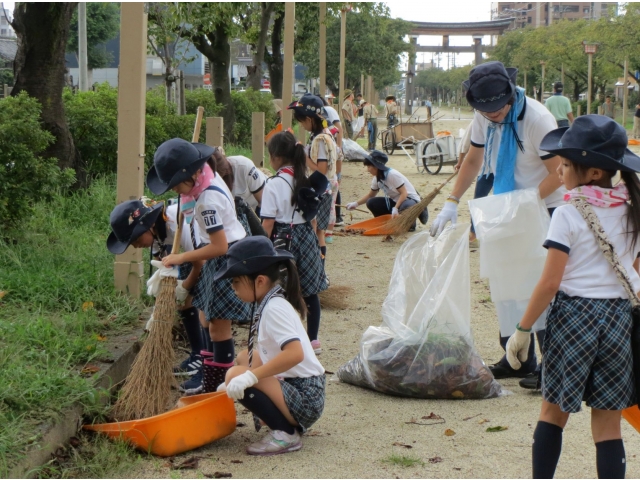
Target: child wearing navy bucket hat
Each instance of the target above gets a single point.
(282, 210)
(189, 170)
(145, 223)
(587, 350)
(399, 193)
(278, 378)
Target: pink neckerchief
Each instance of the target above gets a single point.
(188, 201)
(600, 197)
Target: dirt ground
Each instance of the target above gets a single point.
(359, 428)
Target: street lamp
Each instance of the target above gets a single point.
(589, 49)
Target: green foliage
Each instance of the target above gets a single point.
(402, 460)
(25, 176)
(245, 103)
(6, 76)
(103, 24)
(201, 97)
(436, 80)
(374, 44)
(59, 263)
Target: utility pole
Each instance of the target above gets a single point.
(625, 93)
(82, 47)
(323, 49)
(343, 47)
(287, 77)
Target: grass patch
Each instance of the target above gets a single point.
(402, 460)
(58, 302)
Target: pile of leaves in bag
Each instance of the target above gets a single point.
(443, 367)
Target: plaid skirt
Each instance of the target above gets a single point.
(324, 211)
(587, 354)
(183, 272)
(304, 398)
(218, 300)
(305, 249)
(242, 218)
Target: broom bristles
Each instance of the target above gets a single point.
(147, 389)
(403, 222)
(335, 297)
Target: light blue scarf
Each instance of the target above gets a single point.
(506, 162)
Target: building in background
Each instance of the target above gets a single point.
(537, 14)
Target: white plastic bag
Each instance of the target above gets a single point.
(424, 348)
(511, 228)
(352, 150)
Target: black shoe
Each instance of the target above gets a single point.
(501, 371)
(531, 381)
(424, 217)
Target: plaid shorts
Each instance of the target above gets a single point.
(324, 211)
(183, 272)
(242, 218)
(218, 300)
(304, 398)
(587, 354)
(305, 249)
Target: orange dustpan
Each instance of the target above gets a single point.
(372, 223)
(634, 142)
(632, 415)
(198, 420)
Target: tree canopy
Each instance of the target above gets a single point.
(103, 24)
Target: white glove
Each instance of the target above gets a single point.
(149, 324)
(394, 212)
(237, 385)
(222, 387)
(181, 293)
(449, 213)
(153, 284)
(518, 348)
(352, 205)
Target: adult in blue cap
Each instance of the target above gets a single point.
(506, 133)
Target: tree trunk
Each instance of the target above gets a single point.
(254, 75)
(274, 59)
(39, 69)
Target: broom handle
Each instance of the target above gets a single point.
(196, 135)
(437, 190)
(356, 209)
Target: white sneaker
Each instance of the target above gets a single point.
(275, 443)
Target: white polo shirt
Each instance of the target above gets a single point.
(280, 324)
(533, 124)
(588, 273)
(392, 183)
(216, 210)
(332, 115)
(247, 179)
(276, 199)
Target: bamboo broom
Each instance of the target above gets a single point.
(403, 222)
(147, 389)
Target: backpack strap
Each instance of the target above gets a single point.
(219, 190)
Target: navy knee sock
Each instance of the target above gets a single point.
(207, 344)
(223, 351)
(610, 459)
(313, 316)
(547, 445)
(258, 403)
(191, 324)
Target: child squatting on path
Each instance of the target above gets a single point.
(282, 213)
(587, 350)
(278, 378)
(399, 194)
(189, 170)
(147, 224)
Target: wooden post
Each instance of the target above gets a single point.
(542, 86)
(625, 94)
(131, 116)
(287, 77)
(83, 81)
(183, 102)
(323, 49)
(579, 111)
(562, 74)
(525, 82)
(370, 96)
(589, 83)
(215, 132)
(6, 90)
(257, 138)
(362, 84)
(343, 43)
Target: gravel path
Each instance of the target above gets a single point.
(359, 427)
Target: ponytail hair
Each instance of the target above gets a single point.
(284, 145)
(630, 179)
(221, 166)
(289, 280)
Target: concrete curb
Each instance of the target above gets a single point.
(57, 432)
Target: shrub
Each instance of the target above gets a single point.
(25, 176)
(245, 103)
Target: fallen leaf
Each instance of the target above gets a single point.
(398, 444)
(435, 460)
(432, 416)
(449, 433)
(87, 306)
(484, 420)
(90, 347)
(388, 238)
(313, 433)
(497, 429)
(74, 442)
(2, 293)
(236, 461)
(328, 372)
(473, 416)
(89, 370)
(457, 468)
(457, 394)
(189, 464)
(219, 475)
(366, 257)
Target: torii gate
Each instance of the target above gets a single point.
(477, 30)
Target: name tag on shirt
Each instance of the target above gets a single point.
(209, 217)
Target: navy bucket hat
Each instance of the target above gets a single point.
(128, 221)
(593, 141)
(377, 159)
(251, 255)
(490, 86)
(175, 161)
(309, 106)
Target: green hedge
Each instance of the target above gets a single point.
(245, 104)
